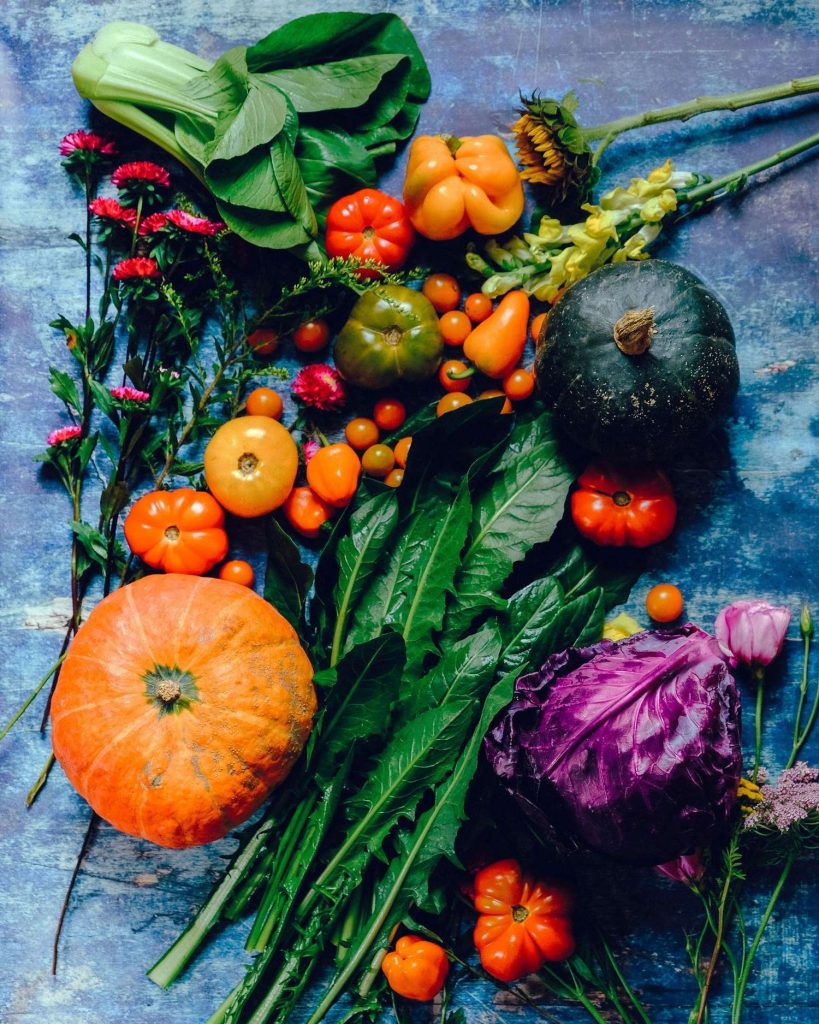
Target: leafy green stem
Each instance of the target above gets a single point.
(732, 872)
(800, 732)
(759, 677)
(28, 701)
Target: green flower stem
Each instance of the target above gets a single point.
(88, 194)
(739, 990)
(736, 178)
(27, 702)
(41, 779)
(759, 676)
(701, 105)
(719, 934)
(800, 734)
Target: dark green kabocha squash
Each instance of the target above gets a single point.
(638, 360)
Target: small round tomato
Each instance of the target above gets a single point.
(177, 531)
(333, 473)
(264, 402)
(402, 450)
(361, 433)
(389, 413)
(664, 603)
(443, 291)
(478, 307)
(250, 465)
(536, 325)
(238, 571)
(449, 383)
(263, 342)
(453, 400)
(312, 336)
(519, 384)
(492, 393)
(455, 327)
(378, 461)
(394, 478)
(306, 512)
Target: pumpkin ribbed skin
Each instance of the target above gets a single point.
(181, 770)
(638, 407)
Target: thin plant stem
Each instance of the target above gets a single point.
(739, 990)
(88, 191)
(803, 690)
(86, 843)
(759, 676)
(28, 701)
(41, 779)
(719, 936)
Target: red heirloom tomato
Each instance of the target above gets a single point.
(178, 531)
(523, 922)
(371, 226)
(417, 969)
(633, 508)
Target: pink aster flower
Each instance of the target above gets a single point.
(111, 209)
(196, 225)
(152, 223)
(171, 374)
(128, 394)
(753, 631)
(309, 449)
(63, 434)
(82, 139)
(320, 386)
(128, 175)
(138, 266)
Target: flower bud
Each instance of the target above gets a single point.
(687, 869)
(753, 631)
(805, 621)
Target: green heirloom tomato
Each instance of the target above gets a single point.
(392, 334)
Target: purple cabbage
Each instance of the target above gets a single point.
(633, 747)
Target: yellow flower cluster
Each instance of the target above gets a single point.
(621, 627)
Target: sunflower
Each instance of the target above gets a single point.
(553, 148)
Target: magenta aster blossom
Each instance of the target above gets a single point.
(687, 869)
(128, 394)
(152, 223)
(63, 434)
(321, 387)
(753, 631)
(138, 266)
(309, 449)
(128, 175)
(82, 139)
(195, 225)
(111, 209)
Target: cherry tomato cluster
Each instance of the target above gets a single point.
(455, 375)
(309, 337)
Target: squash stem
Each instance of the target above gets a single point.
(701, 105)
(731, 182)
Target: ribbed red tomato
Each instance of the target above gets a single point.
(370, 225)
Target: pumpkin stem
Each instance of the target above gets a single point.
(634, 330)
(168, 690)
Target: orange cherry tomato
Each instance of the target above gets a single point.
(250, 465)
(402, 450)
(333, 473)
(306, 512)
(378, 461)
(263, 342)
(394, 478)
(492, 393)
(450, 383)
(238, 571)
(450, 402)
(178, 531)
(664, 603)
(519, 384)
(478, 307)
(417, 969)
(312, 336)
(443, 291)
(536, 325)
(264, 402)
(523, 924)
(361, 433)
(455, 327)
(389, 413)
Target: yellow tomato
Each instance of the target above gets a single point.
(250, 465)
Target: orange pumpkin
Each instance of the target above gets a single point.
(182, 702)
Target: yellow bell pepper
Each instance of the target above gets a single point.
(454, 184)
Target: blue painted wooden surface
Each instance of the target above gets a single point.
(749, 523)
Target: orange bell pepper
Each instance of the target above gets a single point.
(496, 344)
(417, 969)
(523, 922)
(453, 184)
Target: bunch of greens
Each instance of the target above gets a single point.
(418, 633)
(276, 131)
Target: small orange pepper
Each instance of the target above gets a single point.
(333, 474)
(417, 969)
(453, 184)
(496, 344)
